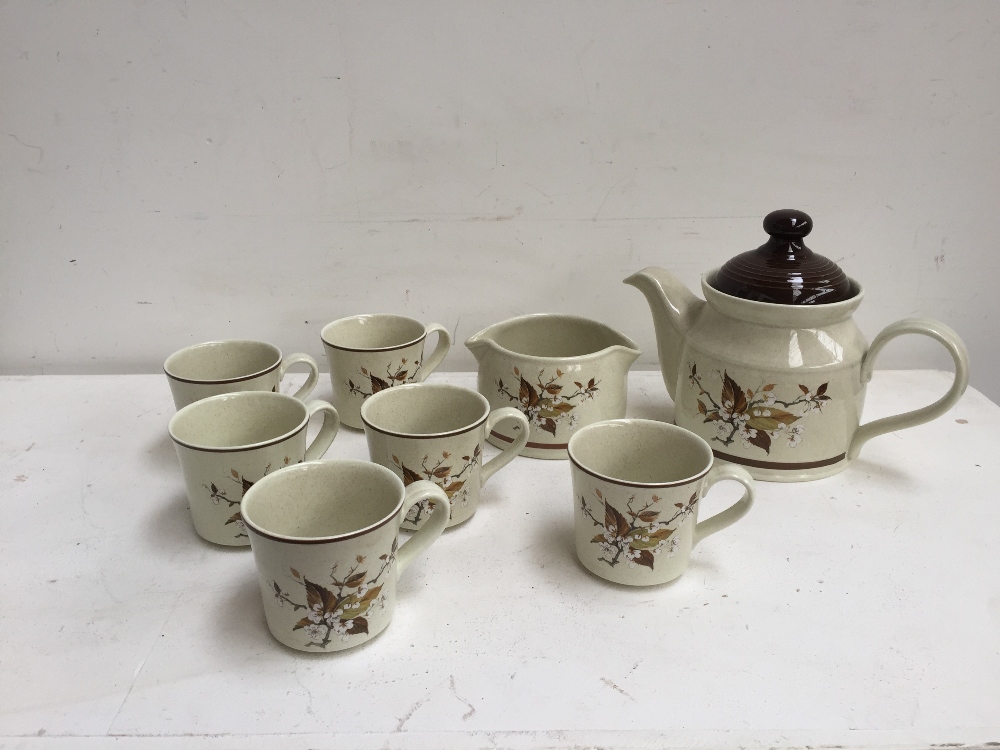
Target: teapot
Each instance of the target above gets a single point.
(770, 368)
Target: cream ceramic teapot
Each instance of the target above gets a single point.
(770, 368)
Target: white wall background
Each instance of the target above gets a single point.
(177, 172)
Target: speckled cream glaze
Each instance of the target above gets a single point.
(228, 443)
(561, 371)
(435, 432)
(325, 538)
(217, 367)
(371, 353)
(636, 488)
(778, 388)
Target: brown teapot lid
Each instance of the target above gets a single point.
(783, 270)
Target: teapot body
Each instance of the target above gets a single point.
(774, 388)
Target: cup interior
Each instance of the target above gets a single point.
(641, 451)
(322, 499)
(558, 336)
(235, 420)
(364, 332)
(425, 409)
(222, 360)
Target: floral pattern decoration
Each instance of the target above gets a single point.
(219, 495)
(636, 537)
(342, 609)
(544, 403)
(444, 475)
(376, 383)
(756, 417)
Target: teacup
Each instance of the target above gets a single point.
(435, 432)
(325, 537)
(372, 353)
(209, 369)
(228, 443)
(636, 488)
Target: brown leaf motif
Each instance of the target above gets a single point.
(410, 476)
(394, 375)
(757, 418)
(546, 402)
(733, 399)
(340, 610)
(446, 475)
(639, 541)
(528, 395)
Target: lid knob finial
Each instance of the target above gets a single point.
(788, 222)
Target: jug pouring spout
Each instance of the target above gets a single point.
(674, 310)
(480, 344)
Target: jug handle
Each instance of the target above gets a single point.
(950, 340)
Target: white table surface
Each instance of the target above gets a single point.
(859, 610)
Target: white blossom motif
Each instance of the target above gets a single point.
(755, 417)
(636, 536)
(342, 609)
(547, 403)
(445, 474)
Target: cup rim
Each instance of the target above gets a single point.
(327, 342)
(321, 466)
(237, 396)
(680, 431)
(222, 381)
(387, 393)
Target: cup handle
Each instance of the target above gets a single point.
(432, 528)
(331, 423)
(498, 462)
(307, 387)
(734, 512)
(956, 348)
(443, 345)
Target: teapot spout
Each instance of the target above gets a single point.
(674, 310)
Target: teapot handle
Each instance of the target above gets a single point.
(955, 346)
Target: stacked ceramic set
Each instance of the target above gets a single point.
(767, 375)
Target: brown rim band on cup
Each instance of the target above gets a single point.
(680, 433)
(325, 466)
(319, 539)
(644, 485)
(344, 322)
(375, 348)
(240, 379)
(401, 392)
(248, 447)
(205, 403)
(421, 436)
(225, 343)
